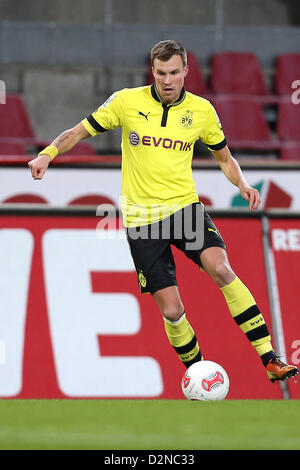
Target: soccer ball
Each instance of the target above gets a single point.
(205, 381)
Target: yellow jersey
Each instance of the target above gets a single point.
(157, 148)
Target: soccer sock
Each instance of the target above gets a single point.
(183, 339)
(247, 316)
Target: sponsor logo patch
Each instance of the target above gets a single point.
(109, 100)
(134, 139)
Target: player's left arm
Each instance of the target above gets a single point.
(233, 173)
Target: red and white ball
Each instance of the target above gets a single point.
(205, 381)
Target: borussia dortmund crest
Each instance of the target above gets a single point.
(187, 119)
(142, 279)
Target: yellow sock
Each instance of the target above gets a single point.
(183, 339)
(247, 316)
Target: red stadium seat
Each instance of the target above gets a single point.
(288, 123)
(82, 148)
(12, 148)
(14, 119)
(290, 151)
(287, 70)
(194, 81)
(237, 73)
(244, 124)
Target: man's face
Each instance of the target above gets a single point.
(169, 78)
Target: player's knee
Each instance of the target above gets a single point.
(223, 274)
(173, 312)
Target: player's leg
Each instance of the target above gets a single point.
(178, 329)
(244, 311)
(240, 301)
(213, 259)
(155, 266)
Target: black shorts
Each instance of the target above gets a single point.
(191, 230)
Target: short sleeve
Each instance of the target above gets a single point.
(212, 134)
(107, 117)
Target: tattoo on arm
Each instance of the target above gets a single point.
(61, 142)
(67, 139)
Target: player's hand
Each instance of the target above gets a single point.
(251, 195)
(38, 166)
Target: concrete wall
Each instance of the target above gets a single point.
(55, 43)
(188, 12)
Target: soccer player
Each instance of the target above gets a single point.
(160, 206)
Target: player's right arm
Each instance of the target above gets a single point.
(106, 117)
(63, 143)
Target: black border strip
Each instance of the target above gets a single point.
(95, 125)
(78, 210)
(218, 146)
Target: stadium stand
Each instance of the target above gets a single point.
(236, 81)
(239, 73)
(244, 123)
(256, 116)
(238, 89)
(194, 81)
(17, 134)
(14, 119)
(83, 148)
(12, 148)
(288, 123)
(287, 70)
(290, 151)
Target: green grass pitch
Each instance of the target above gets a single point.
(149, 424)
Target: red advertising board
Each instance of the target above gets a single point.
(285, 236)
(74, 324)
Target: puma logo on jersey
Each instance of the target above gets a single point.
(212, 230)
(145, 115)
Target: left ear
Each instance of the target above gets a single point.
(186, 70)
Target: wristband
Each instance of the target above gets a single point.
(51, 151)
